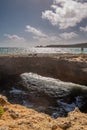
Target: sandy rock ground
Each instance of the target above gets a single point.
(17, 117)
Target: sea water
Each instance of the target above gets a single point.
(34, 50)
(47, 95)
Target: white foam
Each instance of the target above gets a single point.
(17, 91)
(48, 85)
(70, 107)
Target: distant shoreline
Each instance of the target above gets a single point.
(79, 45)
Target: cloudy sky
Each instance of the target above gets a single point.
(25, 23)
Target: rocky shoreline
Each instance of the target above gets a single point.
(66, 67)
(16, 117)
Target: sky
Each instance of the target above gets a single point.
(27, 23)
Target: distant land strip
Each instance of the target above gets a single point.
(80, 45)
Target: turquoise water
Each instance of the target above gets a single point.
(40, 50)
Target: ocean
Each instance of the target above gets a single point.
(34, 50)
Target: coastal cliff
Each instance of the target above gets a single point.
(16, 117)
(72, 68)
(61, 66)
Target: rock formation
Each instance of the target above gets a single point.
(64, 67)
(16, 117)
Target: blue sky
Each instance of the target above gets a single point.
(25, 23)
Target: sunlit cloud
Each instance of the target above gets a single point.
(66, 13)
(34, 31)
(50, 38)
(41, 37)
(83, 29)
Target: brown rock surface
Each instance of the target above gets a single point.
(66, 67)
(17, 117)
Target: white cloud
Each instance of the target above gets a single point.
(40, 36)
(68, 36)
(84, 29)
(43, 38)
(34, 31)
(66, 13)
(14, 38)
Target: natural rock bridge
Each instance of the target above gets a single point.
(71, 67)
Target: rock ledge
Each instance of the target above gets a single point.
(17, 117)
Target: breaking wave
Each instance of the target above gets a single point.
(50, 86)
(47, 95)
